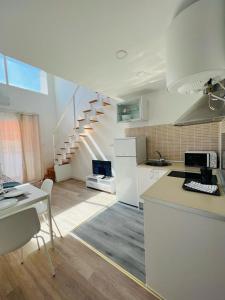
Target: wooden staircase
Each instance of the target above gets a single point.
(84, 125)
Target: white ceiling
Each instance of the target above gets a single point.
(77, 40)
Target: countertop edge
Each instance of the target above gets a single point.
(192, 210)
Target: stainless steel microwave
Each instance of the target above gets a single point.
(201, 159)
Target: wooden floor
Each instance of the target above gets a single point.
(80, 272)
(118, 233)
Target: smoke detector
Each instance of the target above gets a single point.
(121, 54)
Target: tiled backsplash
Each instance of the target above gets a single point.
(172, 141)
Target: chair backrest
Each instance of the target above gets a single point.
(47, 186)
(18, 229)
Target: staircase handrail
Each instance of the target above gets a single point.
(66, 109)
(63, 116)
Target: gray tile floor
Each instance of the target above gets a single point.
(118, 233)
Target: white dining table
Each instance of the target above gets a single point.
(32, 195)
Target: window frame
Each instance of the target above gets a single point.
(3, 67)
(43, 85)
(6, 70)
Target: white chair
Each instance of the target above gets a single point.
(18, 229)
(42, 206)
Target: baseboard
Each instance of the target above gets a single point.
(77, 178)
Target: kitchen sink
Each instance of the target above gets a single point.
(158, 163)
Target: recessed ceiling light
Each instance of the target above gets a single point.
(142, 74)
(121, 54)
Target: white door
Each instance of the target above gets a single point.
(125, 147)
(126, 180)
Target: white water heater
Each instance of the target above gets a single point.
(196, 46)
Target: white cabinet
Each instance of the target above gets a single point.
(184, 252)
(147, 176)
(132, 110)
(103, 184)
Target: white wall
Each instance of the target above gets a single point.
(64, 90)
(21, 100)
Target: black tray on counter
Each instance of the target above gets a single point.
(214, 182)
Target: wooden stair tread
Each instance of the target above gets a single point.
(93, 101)
(94, 121)
(80, 120)
(99, 113)
(87, 110)
(105, 103)
(83, 135)
(88, 128)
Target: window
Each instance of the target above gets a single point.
(2, 70)
(22, 75)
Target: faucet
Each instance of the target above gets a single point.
(160, 156)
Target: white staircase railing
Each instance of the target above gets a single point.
(71, 101)
(81, 122)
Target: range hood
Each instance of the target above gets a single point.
(196, 59)
(200, 113)
(209, 108)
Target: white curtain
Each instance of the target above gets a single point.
(20, 154)
(31, 148)
(11, 157)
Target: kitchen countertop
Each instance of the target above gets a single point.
(175, 166)
(168, 191)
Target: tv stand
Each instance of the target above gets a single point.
(101, 182)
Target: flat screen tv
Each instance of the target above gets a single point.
(101, 167)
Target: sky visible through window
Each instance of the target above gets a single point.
(23, 75)
(2, 70)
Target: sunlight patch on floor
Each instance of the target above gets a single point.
(81, 212)
(69, 218)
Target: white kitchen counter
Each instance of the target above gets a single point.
(169, 191)
(184, 236)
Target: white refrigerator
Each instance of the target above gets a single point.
(129, 152)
